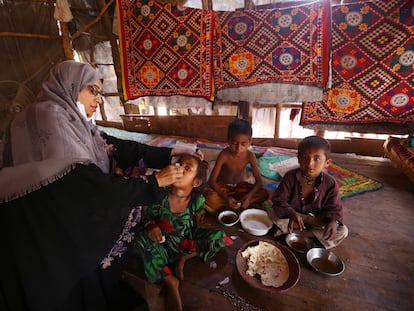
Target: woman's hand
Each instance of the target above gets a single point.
(154, 233)
(169, 175)
(296, 222)
(110, 149)
(330, 230)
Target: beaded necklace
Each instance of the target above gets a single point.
(309, 181)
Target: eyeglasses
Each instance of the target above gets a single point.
(95, 90)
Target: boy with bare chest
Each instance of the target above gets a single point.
(228, 187)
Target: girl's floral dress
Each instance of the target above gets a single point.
(181, 237)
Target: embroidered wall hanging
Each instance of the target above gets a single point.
(283, 45)
(165, 50)
(372, 63)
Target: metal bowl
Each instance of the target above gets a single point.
(325, 262)
(299, 243)
(228, 218)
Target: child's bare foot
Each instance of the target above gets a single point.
(179, 267)
(173, 293)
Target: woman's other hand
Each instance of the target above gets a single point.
(169, 175)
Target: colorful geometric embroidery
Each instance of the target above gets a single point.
(351, 183)
(372, 65)
(343, 101)
(285, 45)
(165, 50)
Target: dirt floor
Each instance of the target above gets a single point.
(378, 256)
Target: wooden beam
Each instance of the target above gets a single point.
(278, 119)
(42, 36)
(67, 45)
(114, 45)
(320, 133)
(41, 1)
(249, 5)
(244, 110)
(29, 35)
(102, 111)
(207, 4)
(96, 19)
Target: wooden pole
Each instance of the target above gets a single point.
(96, 19)
(320, 132)
(278, 120)
(207, 4)
(249, 5)
(114, 45)
(67, 45)
(29, 35)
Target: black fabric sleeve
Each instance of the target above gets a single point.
(128, 153)
(57, 235)
(130, 192)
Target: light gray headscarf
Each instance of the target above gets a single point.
(48, 138)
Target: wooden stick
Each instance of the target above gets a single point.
(43, 1)
(40, 36)
(207, 4)
(89, 25)
(249, 5)
(67, 46)
(29, 35)
(107, 23)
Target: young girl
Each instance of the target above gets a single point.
(172, 234)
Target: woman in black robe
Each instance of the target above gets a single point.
(65, 221)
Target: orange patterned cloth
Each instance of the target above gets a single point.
(372, 66)
(165, 49)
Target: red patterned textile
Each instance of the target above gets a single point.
(283, 45)
(165, 50)
(372, 62)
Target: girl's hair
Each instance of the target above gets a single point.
(315, 142)
(202, 167)
(239, 126)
